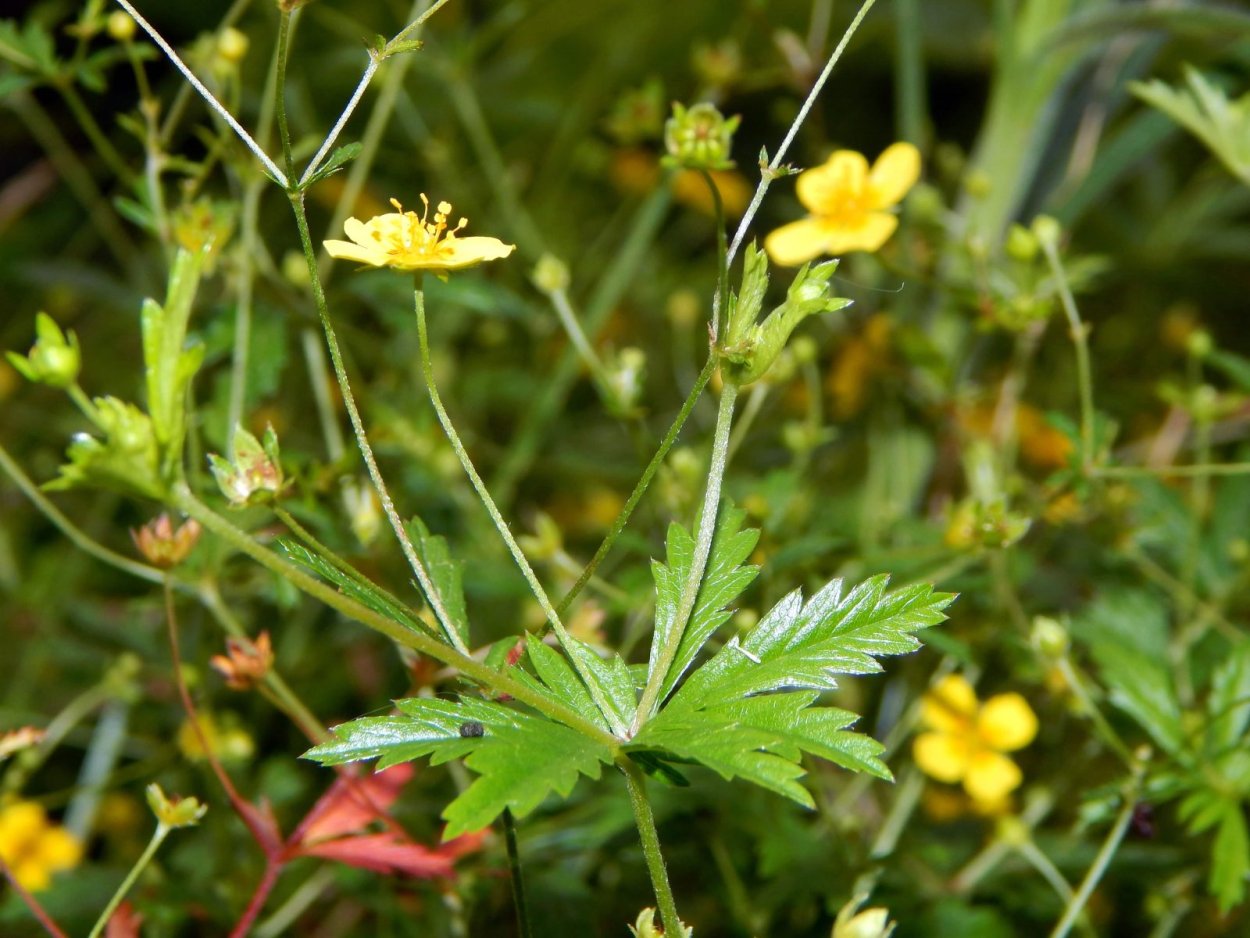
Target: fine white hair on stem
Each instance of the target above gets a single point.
(204, 93)
(342, 121)
(365, 79)
(767, 176)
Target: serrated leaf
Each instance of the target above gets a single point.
(445, 572)
(1230, 857)
(559, 680)
(798, 645)
(613, 682)
(519, 758)
(355, 586)
(1228, 706)
(723, 580)
(763, 738)
(336, 161)
(1142, 687)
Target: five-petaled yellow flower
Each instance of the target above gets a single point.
(408, 241)
(850, 205)
(966, 739)
(32, 847)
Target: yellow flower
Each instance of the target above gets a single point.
(32, 847)
(408, 241)
(849, 205)
(967, 739)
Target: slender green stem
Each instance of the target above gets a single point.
(158, 838)
(608, 291)
(518, 882)
(1101, 861)
(204, 93)
(755, 401)
(770, 172)
(422, 642)
(375, 59)
(719, 301)
(703, 547)
(80, 539)
(279, 95)
(87, 122)
(644, 818)
(1076, 684)
(909, 77)
(427, 371)
(640, 489)
(1080, 341)
(572, 328)
(362, 440)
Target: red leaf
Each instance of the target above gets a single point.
(386, 853)
(124, 923)
(351, 803)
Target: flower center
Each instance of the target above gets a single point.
(417, 235)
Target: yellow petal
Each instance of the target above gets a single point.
(798, 242)
(467, 252)
(825, 189)
(1007, 723)
(346, 251)
(895, 171)
(58, 849)
(32, 875)
(991, 776)
(950, 706)
(941, 756)
(360, 232)
(867, 233)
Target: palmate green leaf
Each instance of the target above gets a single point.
(761, 739)
(805, 645)
(1230, 852)
(1142, 687)
(729, 717)
(723, 580)
(519, 758)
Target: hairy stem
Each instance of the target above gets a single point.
(644, 818)
(540, 594)
(703, 547)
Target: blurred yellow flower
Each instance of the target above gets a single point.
(966, 739)
(34, 848)
(408, 241)
(849, 205)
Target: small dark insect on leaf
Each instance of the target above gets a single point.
(472, 729)
(1143, 820)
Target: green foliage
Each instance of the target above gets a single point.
(519, 758)
(1206, 111)
(725, 578)
(445, 573)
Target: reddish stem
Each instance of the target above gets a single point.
(32, 903)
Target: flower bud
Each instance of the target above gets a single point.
(253, 474)
(1049, 637)
(121, 26)
(232, 45)
(1021, 243)
(550, 274)
(1047, 230)
(174, 812)
(870, 923)
(54, 359)
(245, 664)
(699, 138)
(163, 546)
